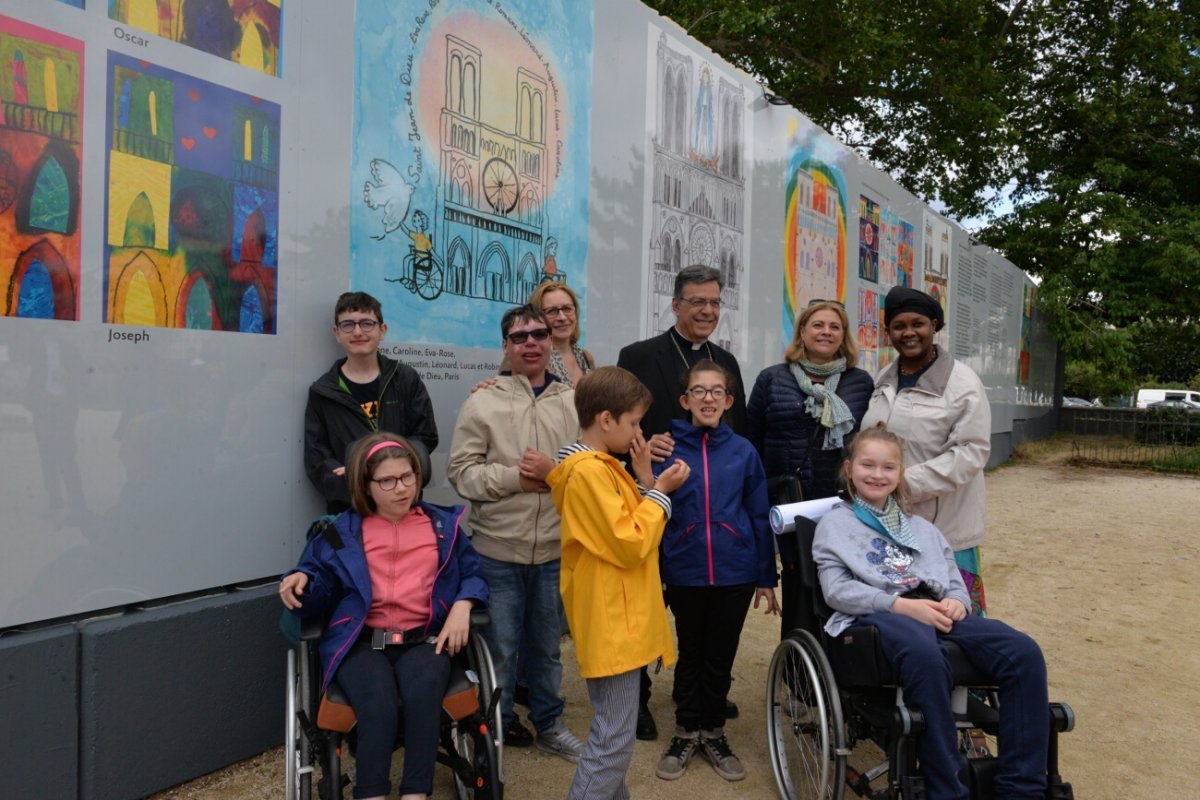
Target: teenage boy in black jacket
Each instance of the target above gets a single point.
(362, 393)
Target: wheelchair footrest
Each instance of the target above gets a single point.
(979, 774)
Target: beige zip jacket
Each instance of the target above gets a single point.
(495, 425)
(946, 423)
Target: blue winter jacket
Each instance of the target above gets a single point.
(718, 534)
(339, 583)
(783, 431)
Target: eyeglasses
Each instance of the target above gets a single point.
(364, 325)
(818, 301)
(389, 483)
(701, 302)
(699, 392)
(521, 337)
(555, 311)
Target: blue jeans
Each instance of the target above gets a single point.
(1011, 658)
(524, 607)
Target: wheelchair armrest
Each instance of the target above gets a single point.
(480, 616)
(311, 628)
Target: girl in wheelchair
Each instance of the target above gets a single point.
(397, 580)
(881, 566)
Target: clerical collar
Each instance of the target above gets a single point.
(681, 339)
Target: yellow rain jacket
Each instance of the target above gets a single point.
(610, 584)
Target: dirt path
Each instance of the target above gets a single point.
(1097, 565)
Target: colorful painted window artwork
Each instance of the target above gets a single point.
(815, 222)
(471, 187)
(41, 91)
(246, 32)
(868, 239)
(193, 202)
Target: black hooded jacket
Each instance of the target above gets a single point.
(333, 421)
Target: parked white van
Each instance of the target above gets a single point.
(1147, 396)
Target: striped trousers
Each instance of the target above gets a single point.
(609, 749)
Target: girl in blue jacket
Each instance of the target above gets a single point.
(396, 580)
(717, 554)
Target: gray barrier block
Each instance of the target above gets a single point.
(39, 728)
(171, 693)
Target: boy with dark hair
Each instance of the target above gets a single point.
(500, 455)
(362, 393)
(610, 584)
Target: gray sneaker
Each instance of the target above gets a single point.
(679, 752)
(558, 741)
(715, 747)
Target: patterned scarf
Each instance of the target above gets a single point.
(823, 403)
(893, 520)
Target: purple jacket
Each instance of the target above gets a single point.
(339, 582)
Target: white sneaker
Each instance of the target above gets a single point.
(558, 741)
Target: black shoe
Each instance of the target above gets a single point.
(517, 735)
(521, 695)
(647, 731)
(731, 710)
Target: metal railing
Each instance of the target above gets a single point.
(1159, 439)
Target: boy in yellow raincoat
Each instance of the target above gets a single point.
(611, 528)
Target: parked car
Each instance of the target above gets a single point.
(1077, 402)
(1176, 402)
(1147, 397)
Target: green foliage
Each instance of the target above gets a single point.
(1168, 352)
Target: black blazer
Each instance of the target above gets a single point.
(656, 363)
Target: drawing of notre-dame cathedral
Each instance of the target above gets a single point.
(492, 226)
(698, 195)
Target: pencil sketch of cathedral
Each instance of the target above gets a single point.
(698, 195)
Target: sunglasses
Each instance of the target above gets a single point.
(521, 337)
(818, 300)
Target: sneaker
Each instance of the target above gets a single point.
(679, 752)
(646, 731)
(558, 741)
(715, 747)
(517, 735)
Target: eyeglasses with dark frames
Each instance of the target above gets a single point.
(521, 337)
(389, 483)
(554, 311)
(364, 325)
(699, 392)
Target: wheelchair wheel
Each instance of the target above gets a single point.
(478, 739)
(427, 277)
(297, 750)
(805, 732)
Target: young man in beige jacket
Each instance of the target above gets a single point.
(499, 459)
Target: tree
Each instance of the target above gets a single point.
(1080, 113)
(1107, 191)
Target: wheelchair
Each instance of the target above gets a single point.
(317, 727)
(827, 696)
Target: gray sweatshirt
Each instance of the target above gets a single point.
(863, 571)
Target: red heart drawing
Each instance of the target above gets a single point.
(188, 142)
(210, 132)
(193, 95)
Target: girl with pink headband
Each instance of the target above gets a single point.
(396, 578)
